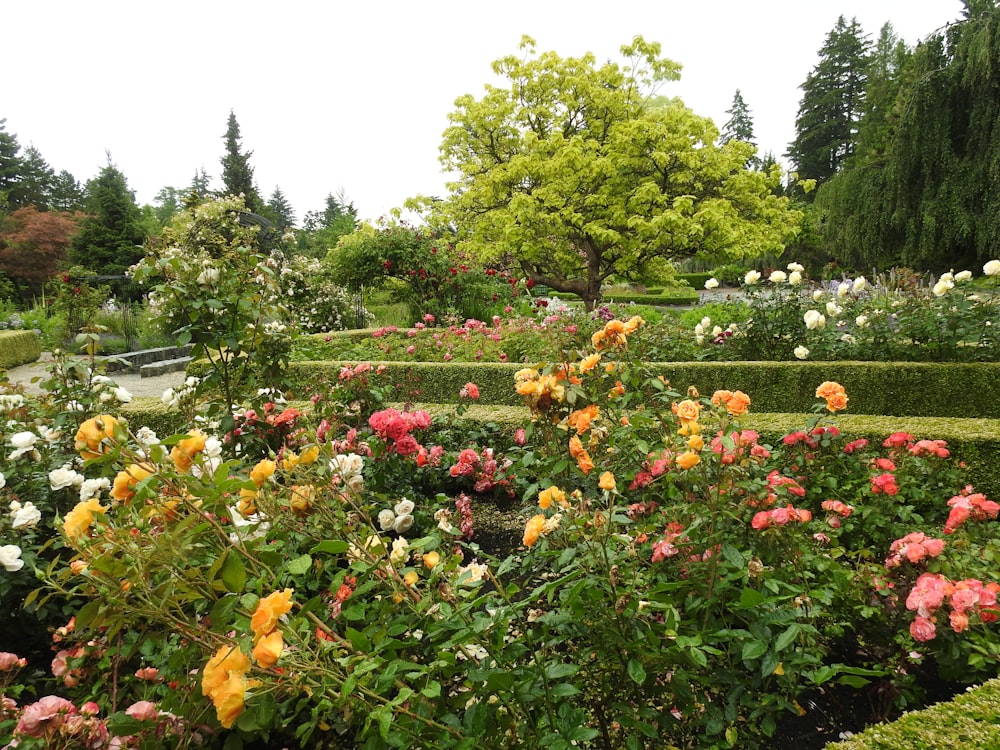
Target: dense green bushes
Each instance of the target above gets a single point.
(19, 348)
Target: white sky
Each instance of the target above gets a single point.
(355, 95)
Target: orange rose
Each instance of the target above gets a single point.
(229, 700)
(688, 460)
(736, 402)
(268, 649)
(533, 529)
(227, 661)
(576, 447)
(837, 402)
(264, 469)
(183, 453)
(431, 559)
(92, 434)
(687, 410)
(551, 495)
(269, 609)
(580, 419)
(834, 393)
(127, 479)
(607, 482)
(589, 363)
(696, 442)
(633, 323)
(585, 463)
(79, 520)
(618, 390)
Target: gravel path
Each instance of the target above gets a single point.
(134, 384)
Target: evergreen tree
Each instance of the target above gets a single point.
(35, 182)
(166, 204)
(200, 184)
(110, 239)
(10, 164)
(280, 211)
(237, 174)
(322, 229)
(740, 126)
(832, 103)
(67, 193)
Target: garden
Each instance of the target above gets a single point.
(546, 526)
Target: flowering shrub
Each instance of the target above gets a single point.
(315, 302)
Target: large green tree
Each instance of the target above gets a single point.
(237, 174)
(321, 230)
(279, 210)
(578, 173)
(110, 239)
(10, 165)
(833, 97)
(67, 193)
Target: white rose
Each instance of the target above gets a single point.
(796, 267)
(399, 551)
(402, 524)
(778, 277)
(949, 276)
(386, 518)
(814, 319)
(91, 488)
(817, 295)
(832, 308)
(404, 507)
(861, 321)
(10, 557)
(356, 483)
(717, 331)
(801, 352)
(23, 440)
(706, 322)
(26, 516)
(842, 289)
(169, 397)
(64, 477)
(963, 275)
(859, 284)
(942, 287)
(712, 283)
(122, 395)
(146, 437)
(992, 268)
(699, 329)
(3, 481)
(751, 278)
(208, 276)
(795, 278)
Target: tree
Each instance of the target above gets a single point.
(577, 174)
(832, 103)
(33, 246)
(237, 174)
(321, 230)
(280, 211)
(35, 182)
(200, 184)
(10, 164)
(740, 123)
(67, 193)
(166, 203)
(111, 237)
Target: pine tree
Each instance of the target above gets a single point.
(237, 174)
(200, 186)
(740, 124)
(67, 193)
(111, 237)
(833, 97)
(10, 164)
(35, 182)
(280, 211)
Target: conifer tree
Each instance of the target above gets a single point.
(739, 126)
(237, 174)
(280, 211)
(110, 239)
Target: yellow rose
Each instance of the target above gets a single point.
(265, 618)
(532, 530)
(92, 434)
(688, 460)
(264, 469)
(309, 455)
(589, 363)
(127, 479)
(79, 520)
(551, 495)
(687, 410)
(302, 497)
(268, 649)
(607, 482)
(431, 559)
(411, 578)
(229, 700)
(223, 681)
(696, 443)
(183, 453)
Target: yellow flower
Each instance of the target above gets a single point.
(247, 504)
(183, 453)
(79, 520)
(309, 455)
(269, 609)
(92, 434)
(551, 495)
(607, 482)
(302, 497)
(268, 649)
(431, 559)
(688, 460)
(696, 443)
(289, 461)
(224, 682)
(264, 469)
(633, 323)
(589, 363)
(127, 479)
(230, 699)
(411, 578)
(532, 530)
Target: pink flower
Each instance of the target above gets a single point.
(407, 445)
(143, 711)
(922, 629)
(397, 427)
(959, 621)
(899, 440)
(469, 390)
(147, 673)
(9, 661)
(855, 445)
(48, 712)
(520, 436)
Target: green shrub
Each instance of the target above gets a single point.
(19, 348)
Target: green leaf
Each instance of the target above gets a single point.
(234, 574)
(331, 546)
(359, 640)
(221, 615)
(788, 637)
(751, 598)
(733, 556)
(432, 690)
(754, 650)
(299, 565)
(636, 671)
(558, 671)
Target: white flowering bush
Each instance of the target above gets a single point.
(316, 303)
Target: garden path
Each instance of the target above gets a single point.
(134, 384)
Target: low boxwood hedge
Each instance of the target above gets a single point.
(19, 348)
(918, 389)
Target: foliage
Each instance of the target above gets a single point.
(33, 246)
(578, 174)
(280, 211)
(109, 241)
(237, 174)
(213, 287)
(316, 304)
(321, 230)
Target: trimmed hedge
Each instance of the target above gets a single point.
(970, 720)
(19, 348)
(696, 280)
(887, 388)
(672, 298)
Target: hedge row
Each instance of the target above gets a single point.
(970, 720)
(919, 389)
(667, 299)
(19, 348)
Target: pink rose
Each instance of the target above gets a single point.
(143, 711)
(922, 629)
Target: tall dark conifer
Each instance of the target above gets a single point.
(237, 174)
(111, 237)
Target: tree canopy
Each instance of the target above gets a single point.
(579, 173)
(110, 239)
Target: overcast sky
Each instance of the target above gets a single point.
(354, 96)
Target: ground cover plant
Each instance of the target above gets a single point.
(317, 577)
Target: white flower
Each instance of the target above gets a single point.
(91, 488)
(50, 434)
(817, 295)
(169, 398)
(942, 287)
(347, 465)
(404, 507)
(712, 283)
(10, 557)
(947, 276)
(25, 517)
(105, 397)
(843, 288)
(705, 323)
(208, 276)
(3, 481)
(861, 321)
(801, 352)
(402, 524)
(247, 528)
(442, 516)
(399, 550)
(859, 284)
(751, 278)
(848, 339)
(24, 442)
(963, 275)
(814, 319)
(64, 477)
(122, 395)
(11, 401)
(386, 518)
(699, 329)
(778, 277)
(356, 483)
(717, 331)
(472, 573)
(795, 278)
(147, 438)
(992, 268)
(796, 267)
(833, 309)
(75, 406)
